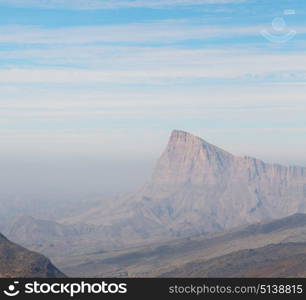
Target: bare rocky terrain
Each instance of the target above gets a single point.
(164, 258)
(198, 188)
(275, 260)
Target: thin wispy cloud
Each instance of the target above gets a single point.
(208, 102)
(111, 4)
(88, 55)
(168, 65)
(154, 32)
(199, 65)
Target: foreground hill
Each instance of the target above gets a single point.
(16, 261)
(161, 259)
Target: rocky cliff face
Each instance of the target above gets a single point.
(197, 187)
(188, 159)
(16, 261)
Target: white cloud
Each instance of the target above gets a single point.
(247, 120)
(161, 66)
(110, 4)
(150, 108)
(65, 46)
(242, 105)
(157, 32)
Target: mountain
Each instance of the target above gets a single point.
(49, 237)
(195, 189)
(16, 261)
(27, 229)
(52, 205)
(164, 258)
(276, 260)
(199, 188)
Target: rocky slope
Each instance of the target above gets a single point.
(158, 259)
(198, 188)
(16, 261)
(275, 260)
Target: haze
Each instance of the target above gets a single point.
(88, 101)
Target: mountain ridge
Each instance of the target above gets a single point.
(192, 164)
(163, 258)
(197, 188)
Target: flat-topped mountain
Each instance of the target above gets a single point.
(16, 261)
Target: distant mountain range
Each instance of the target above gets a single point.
(196, 189)
(16, 261)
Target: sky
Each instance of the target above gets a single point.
(100, 84)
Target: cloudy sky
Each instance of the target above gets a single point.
(110, 79)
